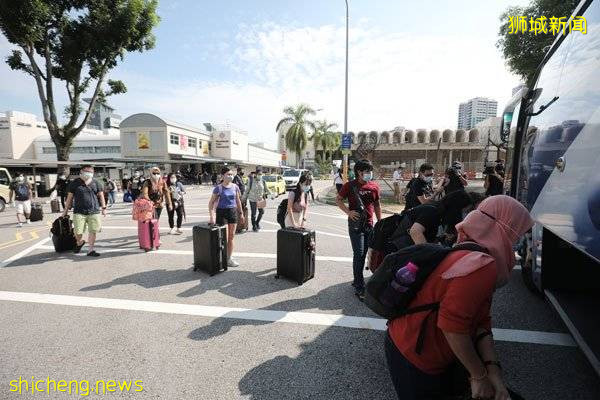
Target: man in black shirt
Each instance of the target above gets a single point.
(419, 189)
(61, 186)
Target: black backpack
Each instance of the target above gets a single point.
(427, 257)
(63, 236)
(281, 211)
(383, 231)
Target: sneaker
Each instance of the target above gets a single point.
(93, 253)
(28, 222)
(20, 225)
(77, 249)
(178, 231)
(254, 229)
(171, 231)
(232, 263)
(360, 293)
(258, 228)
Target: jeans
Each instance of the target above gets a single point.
(111, 198)
(261, 211)
(413, 384)
(171, 213)
(360, 245)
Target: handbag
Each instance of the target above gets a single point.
(360, 224)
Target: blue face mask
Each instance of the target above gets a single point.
(368, 176)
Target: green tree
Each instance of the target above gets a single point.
(323, 137)
(77, 42)
(295, 125)
(524, 51)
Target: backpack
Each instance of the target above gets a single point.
(111, 186)
(21, 192)
(281, 212)
(427, 257)
(63, 236)
(409, 191)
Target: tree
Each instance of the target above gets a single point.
(525, 51)
(295, 125)
(322, 136)
(77, 42)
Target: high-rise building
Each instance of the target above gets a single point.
(474, 111)
(103, 118)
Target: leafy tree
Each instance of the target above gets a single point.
(524, 51)
(323, 137)
(77, 42)
(295, 125)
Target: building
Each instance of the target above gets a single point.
(103, 118)
(88, 145)
(18, 130)
(474, 111)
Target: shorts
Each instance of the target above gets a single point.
(226, 216)
(23, 206)
(86, 222)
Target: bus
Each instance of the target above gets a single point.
(551, 138)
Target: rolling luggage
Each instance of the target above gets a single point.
(242, 227)
(37, 214)
(148, 234)
(55, 206)
(63, 236)
(296, 254)
(210, 248)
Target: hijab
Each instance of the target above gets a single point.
(496, 224)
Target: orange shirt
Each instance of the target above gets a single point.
(464, 307)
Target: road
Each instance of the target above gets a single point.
(242, 334)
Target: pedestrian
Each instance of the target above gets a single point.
(156, 191)
(257, 193)
(136, 185)
(238, 179)
(176, 192)
(213, 179)
(419, 189)
(338, 180)
(310, 191)
(227, 201)
(61, 186)
(454, 179)
(125, 183)
(206, 177)
(397, 181)
(363, 201)
(87, 198)
(20, 195)
(499, 168)
(109, 189)
(493, 181)
(297, 207)
(463, 285)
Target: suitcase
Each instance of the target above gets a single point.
(296, 254)
(210, 248)
(63, 236)
(244, 226)
(55, 206)
(37, 214)
(148, 234)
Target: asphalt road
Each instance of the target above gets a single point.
(130, 315)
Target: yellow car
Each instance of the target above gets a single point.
(275, 184)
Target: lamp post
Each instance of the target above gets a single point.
(345, 165)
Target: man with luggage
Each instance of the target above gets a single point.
(61, 186)
(363, 201)
(87, 198)
(20, 190)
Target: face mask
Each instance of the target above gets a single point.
(87, 176)
(62, 177)
(156, 176)
(137, 174)
(20, 179)
(368, 176)
(306, 189)
(428, 179)
(228, 178)
(173, 180)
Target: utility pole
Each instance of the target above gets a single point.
(345, 164)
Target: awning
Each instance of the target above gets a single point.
(8, 162)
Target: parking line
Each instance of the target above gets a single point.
(302, 318)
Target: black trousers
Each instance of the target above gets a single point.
(157, 212)
(261, 211)
(171, 213)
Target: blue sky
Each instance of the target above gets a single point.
(411, 63)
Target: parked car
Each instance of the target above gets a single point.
(5, 180)
(292, 176)
(275, 183)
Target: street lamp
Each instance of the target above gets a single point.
(345, 166)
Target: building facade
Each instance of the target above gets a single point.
(476, 110)
(103, 118)
(88, 145)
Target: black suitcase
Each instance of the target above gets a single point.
(63, 236)
(54, 206)
(210, 248)
(37, 214)
(296, 254)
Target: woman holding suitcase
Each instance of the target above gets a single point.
(226, 197)
(298, 203)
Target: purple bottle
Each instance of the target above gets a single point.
(403, 278)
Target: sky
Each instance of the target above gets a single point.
(242, 61)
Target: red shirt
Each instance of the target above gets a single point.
(464, 307)
(368, 192)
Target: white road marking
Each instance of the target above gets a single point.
(318, 232)
(302, 318)
(108, 249)
(338, 216)
(23, 253)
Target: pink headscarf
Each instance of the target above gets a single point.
(496, 224)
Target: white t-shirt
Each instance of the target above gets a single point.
(397, 176)
(338, 180)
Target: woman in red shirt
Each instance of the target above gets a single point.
(463, 285)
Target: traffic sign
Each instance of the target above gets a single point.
(346, 141)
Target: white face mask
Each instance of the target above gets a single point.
(428, 179)
(368, 176)
(20, 179)
(62, 177)
(155, 176)
(228, 177)
(87, 176)
(137, 175)
(173, 179)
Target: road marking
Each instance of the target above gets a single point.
(302, 318)
(329, 215)
(318, 232)
(137, 250)
(23, 253)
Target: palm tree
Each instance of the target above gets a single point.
(323, 136)
(333, 140)
(296, 124)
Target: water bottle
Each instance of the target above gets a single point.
(403, 278)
